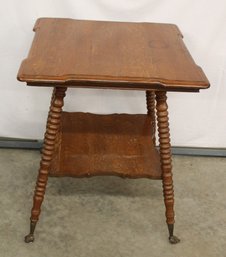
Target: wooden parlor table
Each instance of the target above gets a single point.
(117, 55)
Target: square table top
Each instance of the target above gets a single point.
(104, 54)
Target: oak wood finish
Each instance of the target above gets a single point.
(110, 54)
(116, 144)
(52, 130)
(118, 55)
(150, 101)
(166, 162)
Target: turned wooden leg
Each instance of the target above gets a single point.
(48, 117)
(52, 128)
(150, 100)
(166, 163)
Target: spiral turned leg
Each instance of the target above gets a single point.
(48, 117)
(52, 128)
(166, 163)
(150, 100)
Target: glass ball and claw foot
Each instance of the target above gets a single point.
(172, 238)
(30, 237)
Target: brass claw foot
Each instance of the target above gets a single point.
(29, 238)
(174, 240)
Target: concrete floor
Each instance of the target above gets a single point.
(113, 217)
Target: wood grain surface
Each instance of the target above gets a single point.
(115, 144)
(110, 54)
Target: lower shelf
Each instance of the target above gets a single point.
(116, 144)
